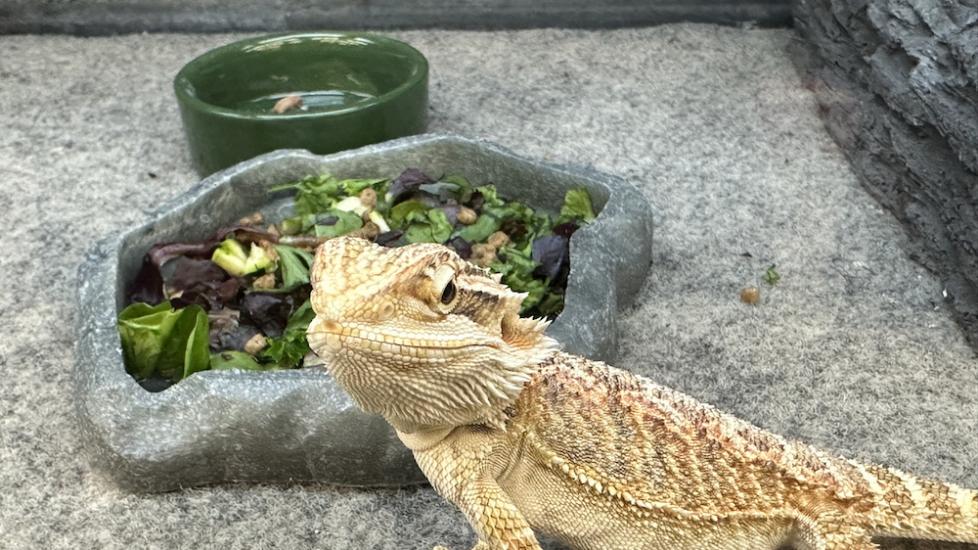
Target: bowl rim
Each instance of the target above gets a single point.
(182, 83)
(119, 420)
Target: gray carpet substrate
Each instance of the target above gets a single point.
(852, 350)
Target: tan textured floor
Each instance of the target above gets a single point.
(852, 350)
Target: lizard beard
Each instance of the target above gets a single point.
(470, 386)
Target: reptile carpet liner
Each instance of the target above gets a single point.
(298, 425)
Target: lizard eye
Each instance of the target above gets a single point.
(444, 289)
(448, 294)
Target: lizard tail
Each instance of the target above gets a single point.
(909, 507)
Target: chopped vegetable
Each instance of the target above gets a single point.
(771, 276)
(232, 258)
(368, 197)
(265, 282)
(379, 221)
(256, 343)
(750, 295)
(466, 216)
(351, 204)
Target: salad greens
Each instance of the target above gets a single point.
(294, 264)
(160, 340)
(240, 300)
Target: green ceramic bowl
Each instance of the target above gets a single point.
(356, 89)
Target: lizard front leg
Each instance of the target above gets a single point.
(462, 470)
(495, 518)
(497, 521)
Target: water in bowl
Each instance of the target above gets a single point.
(314, 101)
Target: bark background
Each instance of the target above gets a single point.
(896, 85)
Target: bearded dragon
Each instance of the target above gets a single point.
(524, 438)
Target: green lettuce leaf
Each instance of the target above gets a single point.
(520, 222)
(354, 186)
(490, 195)
(287, 351)
(441, 228)
(294, 264)
(297, 224)
(444, 190)
(577, 206)
(478, 232)
(301, 317)
(434, 228)
(516, 267)
(158, 340)
(345, 222)
(406, 211)
(465, 189)
(314, 194)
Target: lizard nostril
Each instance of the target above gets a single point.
(331, 326)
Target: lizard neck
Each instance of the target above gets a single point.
(424, 438)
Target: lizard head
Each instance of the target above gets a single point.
(419, 335)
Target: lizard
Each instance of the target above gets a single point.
(524, 438)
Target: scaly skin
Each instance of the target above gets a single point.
(524, 438)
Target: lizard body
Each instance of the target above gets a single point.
(524, 438)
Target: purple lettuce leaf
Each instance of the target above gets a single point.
(461, 247)
(389, 239)
(451, 212)
(552, 253)
(407, 183)
(266, 311)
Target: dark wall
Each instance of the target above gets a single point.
(896, 83)
(118, 16)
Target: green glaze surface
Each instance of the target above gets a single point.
(357, 89)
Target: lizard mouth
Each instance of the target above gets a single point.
(330, 337)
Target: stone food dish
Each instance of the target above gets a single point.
(356, 89)
(297, 425)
